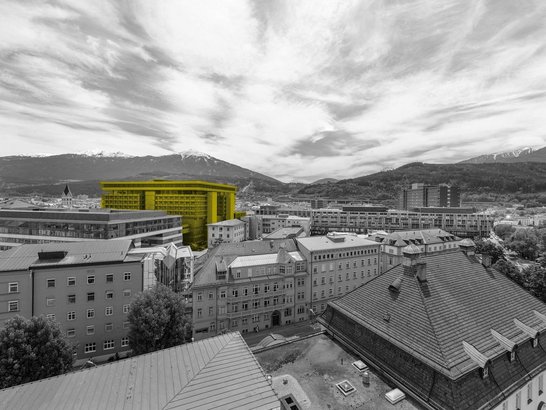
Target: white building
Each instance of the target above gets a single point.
(230, 231)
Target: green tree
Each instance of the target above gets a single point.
(525, 242)
(31, 349)
(534, 280)
(489, 248)
(504, 231)
(157, 320)
(509, 270)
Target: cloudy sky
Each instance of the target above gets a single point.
(298, 90)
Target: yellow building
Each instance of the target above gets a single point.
(198, 202)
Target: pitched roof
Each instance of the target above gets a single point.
(423, 236)
(67, 253)
(460, 301)
(229, 222)
(228, 252)
(218, 372)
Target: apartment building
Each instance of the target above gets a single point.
(250, 286)
(46, 225)
(198, 202)
(337, 265)
(85, 286)
(421, 195)
(429, 241)
(232, 231)
(462, 222)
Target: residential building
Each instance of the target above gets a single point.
(219, 372)
(337, 264)
(85, 286)
(198, 202)
(283, 210)
(420, 195)
(429, 241)
(45, 225)
(462, 222)
(231, 231)
(448, 330)
(271, 223)
(249, 286)
(253, 227)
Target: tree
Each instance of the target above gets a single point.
(157, 320)
(504, 230)
(525, 242)
(489, 248)
(534, 280)
(31, 349)
(509, 270)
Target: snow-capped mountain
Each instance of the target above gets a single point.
(17, 171)
(526, 154)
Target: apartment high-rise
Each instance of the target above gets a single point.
(420, 195)
(198, 202)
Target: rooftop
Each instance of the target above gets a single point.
(461, 300)
(312, 367)
(283, 233)
(219, 372)
(419, 237)
(82, 215)
(229, 222)
(264, 259)
(68, 253)
(323, 243)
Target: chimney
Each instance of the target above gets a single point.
(421, 271)
(412, 257)
(468, 247)
(486, 260)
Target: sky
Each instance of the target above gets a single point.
(297, 90)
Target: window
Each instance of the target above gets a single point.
(13, 306)
(90, 279)
(222, 294)
(244, 321)
(126, 308)
(90, 329)
(256, 304)
(245, 291)
(540, 384)
(109, 294)
(90, 296)
(124, 341)
(518, 400)
(530, 392)
(70, 333)
(13, 287)
(51, 283)
(126, 325)
(50, 301)
(256, 289)
(109, 277)
(199, 312)
(71, 316)
(211, 295)
(245, 306)
(109, 327)
(127, 276)
(71, 298)
(108, 345)
(71, 281)
(234, 323)
(255, 318)
(90, 313)
(221, 310)
(199, 296)
(50, 316)
(90, 347)
(109, 311)
(235, 293)
(127, 292)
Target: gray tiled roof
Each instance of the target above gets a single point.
(323, 243)
(460, 301)
(219, 372)
(87, 252)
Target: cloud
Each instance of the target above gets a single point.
(296, 90)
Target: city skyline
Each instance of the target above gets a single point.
(294, 90)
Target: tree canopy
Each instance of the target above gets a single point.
(489, 248)
(31, 349)
(158, 320)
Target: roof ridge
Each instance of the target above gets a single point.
(230, 335)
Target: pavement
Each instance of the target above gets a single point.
(298, 329)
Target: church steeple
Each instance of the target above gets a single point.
(66, 197)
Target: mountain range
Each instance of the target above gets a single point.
(520, 155)
(26, 174)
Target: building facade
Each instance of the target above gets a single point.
(271, 223)
(198, 202)
(337, 265)
(232, 231)
(420, 195)
(46, 225)
(86, 287)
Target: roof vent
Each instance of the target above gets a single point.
(396, 285)
(526, 329)
(467, 246)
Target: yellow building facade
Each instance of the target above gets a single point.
(198, 202)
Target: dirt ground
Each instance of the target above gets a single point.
(318, 364)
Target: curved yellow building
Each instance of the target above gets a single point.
(198, 202)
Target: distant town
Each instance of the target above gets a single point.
(433, 297)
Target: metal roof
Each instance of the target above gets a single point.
(265, 259)
(324, 243)
(216, 373)
(87, 252)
